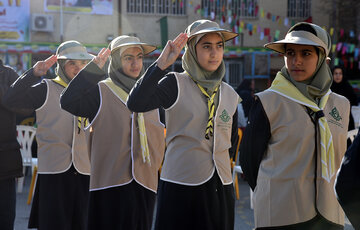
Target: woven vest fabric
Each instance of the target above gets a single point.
(114, 143)
(60, 141)
(285, 193)
(190, 158)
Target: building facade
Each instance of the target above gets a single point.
(96, 22)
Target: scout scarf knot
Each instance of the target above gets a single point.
(211, 107)
(140, 119)
(283, 87)
(81, 120)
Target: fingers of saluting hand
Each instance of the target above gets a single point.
(104, 53)
(41, 67)
(171, 51)
(102, 56)
(180, 41)
(50, 61)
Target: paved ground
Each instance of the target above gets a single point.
(244, 219)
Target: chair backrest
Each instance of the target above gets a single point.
(25, 138)
(351, 134)
(240, 133)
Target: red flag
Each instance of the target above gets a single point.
(266, 31)
(309, 20)
(268, 15)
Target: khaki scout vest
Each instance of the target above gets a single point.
(60, 141)
(115, 149)
(191, 159)
(286, 193)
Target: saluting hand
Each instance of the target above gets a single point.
(41, 67)
(101, 58)
(171, 51)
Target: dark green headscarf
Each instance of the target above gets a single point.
(60, 71)
(319, 83)
(208, 80)
(117, 75)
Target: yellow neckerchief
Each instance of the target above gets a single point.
(140, 119)
(211, 107)
(283, 87)
(80, 119)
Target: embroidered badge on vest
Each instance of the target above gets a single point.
(335, 114)
(225, 116)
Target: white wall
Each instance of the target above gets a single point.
(86, 28)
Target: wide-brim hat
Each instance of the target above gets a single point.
(301, 37)
(73, 50)
(124, 40)
(200, 27)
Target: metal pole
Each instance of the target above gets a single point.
(61, 22)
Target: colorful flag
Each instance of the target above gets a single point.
(266, 31)
(286, 22)
(341, 32)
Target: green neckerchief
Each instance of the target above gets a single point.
(283, 87)
(318, 84)
(140, 119)
(81, 120)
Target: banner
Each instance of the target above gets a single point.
(14, 20)
(80, 6)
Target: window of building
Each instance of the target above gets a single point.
(169, 7)
(299, 8)
(140, 6)
(243, 9)
(234, 72)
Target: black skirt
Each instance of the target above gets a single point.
(209, 206)
(129, 206)
(60, 201)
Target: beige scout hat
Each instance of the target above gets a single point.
(301, 37)
(201, 27)
(125, 40)
(73, 50)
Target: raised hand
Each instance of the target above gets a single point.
(41, 67)
(171, 51)
(101, 58)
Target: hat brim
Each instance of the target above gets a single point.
(146, 48)
(77, 56)
(228, 35)
(279, 46)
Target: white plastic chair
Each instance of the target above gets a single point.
(355, 110)
(25, 138)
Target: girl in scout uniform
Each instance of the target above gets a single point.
(296, 137)
(195, 189)
(126, 148)
(61, 197)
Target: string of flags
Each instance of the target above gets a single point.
(346, 53)
(239, 25)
